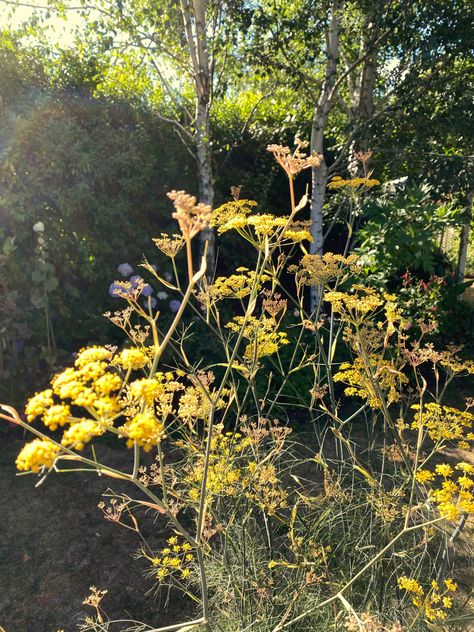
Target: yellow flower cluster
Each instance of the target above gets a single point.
(83, 384)
(132, 359)
(81, 432)
(89, 385)
(453, 364)
(169, 245)
(95, 385)
(232, 215)
(319, 270)
(90, 355)
(37, 454)
(174, 560)
(57, 415)
(224, 475)
(435, 602)
(107, 383)
(297, 234)
(263, 338)
(263, 487)
(237, 215)
(453, 497)
(355, 306)
(229, 475)
(355, 183)
(147, 389)
(361, 383)
(444, 423)
(237, 285)
(157, 391)
(143, 429)
(38, 404)
(266, 223)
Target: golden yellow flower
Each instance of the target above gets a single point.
(81, 432)
(236, 285)
(108, 383)
(132, 359)
(57, 415)
(144, 429)
(148, 389)
(355, 183)
(37, 454)
(423, 476)
(92, 354)
(38, 404)
(443, 469)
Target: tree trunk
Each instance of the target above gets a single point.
(464, 243)
(320, 119)
(205, 181)
(194, 18)
(362, 96)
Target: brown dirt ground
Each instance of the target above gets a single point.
(55, 544)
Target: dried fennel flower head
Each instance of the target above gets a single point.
(235, 192)
(169, 245)
(191, 217)
(363, 156)
(294, 163)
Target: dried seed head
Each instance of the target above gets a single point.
(191, 217)
(294, 163)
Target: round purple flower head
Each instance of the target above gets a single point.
(174, 305)
(153, 303)
(112, 288)
(135, 280)
(147, 290)
(125, 269)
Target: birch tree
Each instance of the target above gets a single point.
(356, 64)
(175, 53)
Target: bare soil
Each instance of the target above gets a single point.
(55, 544)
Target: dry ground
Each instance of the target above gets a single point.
(55, 543)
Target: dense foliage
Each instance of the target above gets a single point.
(264, 529)
(281, 379)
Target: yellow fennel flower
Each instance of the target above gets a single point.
(132, 359)
(37, 454)
(92, 354)
(57, 415)
(144, 429)
(148, 389)
(80, 433)
(443, 469)
(38, 404)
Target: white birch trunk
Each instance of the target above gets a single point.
(320, 119)
(205, 180)
(464, 242)
(194, 18)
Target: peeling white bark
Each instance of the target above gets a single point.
(194, 18)
(320, 119)
(464, 242)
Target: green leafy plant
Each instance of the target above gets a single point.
(268, 530)
(402, 233)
